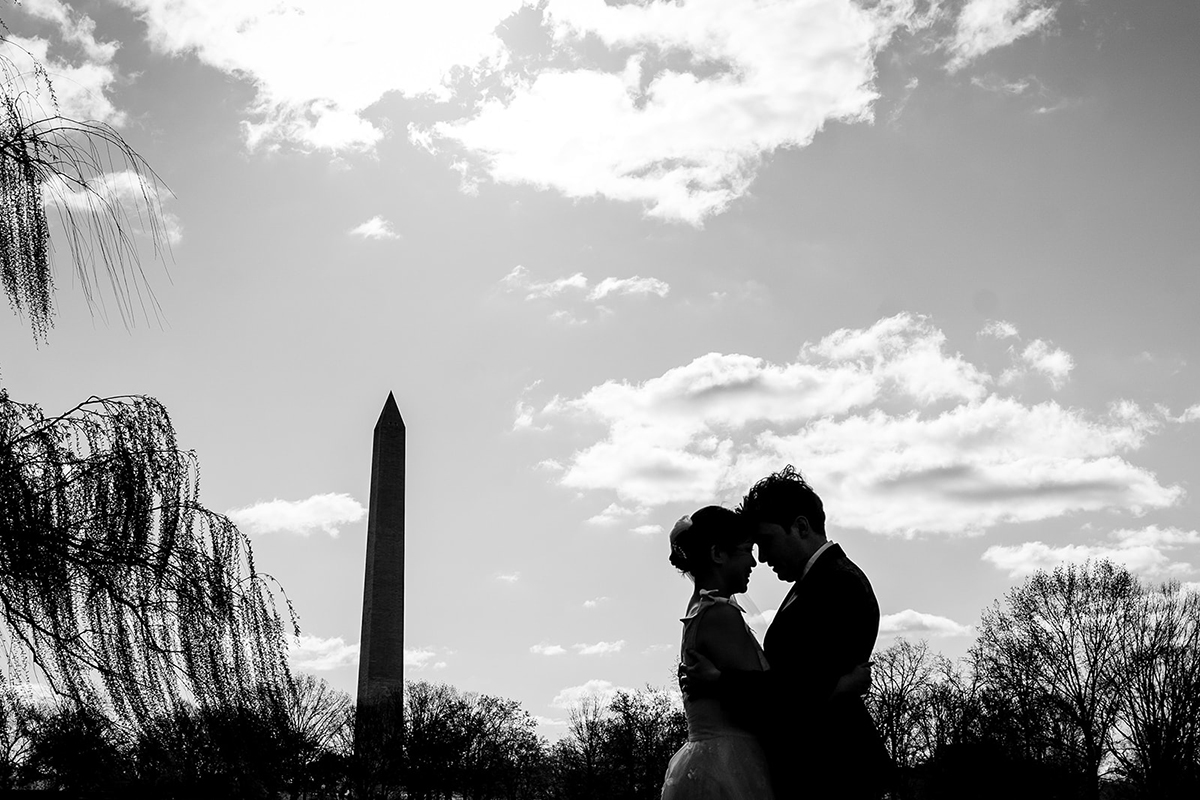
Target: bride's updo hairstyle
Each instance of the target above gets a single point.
(694, 537)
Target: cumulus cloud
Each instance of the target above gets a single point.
(375, 228)
(323, 512)
(615, 514)
(901, 435)
(1040, 357)
(1150, 551)
(600, 690)
(999, 329)
(595, 601)
(648, 530)
(511, 577)
(366, 48)
(80, 66)
(320, 655)
(1191, 414)
(599, 648)
(634, 285)
(909, 622)
(985, 25)
(126, 191)
(671, 106)
(520, 280)
(687, 140)
(545, 649)
(420, 659)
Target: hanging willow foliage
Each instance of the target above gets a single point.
(121, 586)
(92, 178)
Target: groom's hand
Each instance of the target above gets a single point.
(697, 675)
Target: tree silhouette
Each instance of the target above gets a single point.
(1053, 650)
(114, 580)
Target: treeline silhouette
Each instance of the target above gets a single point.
(1082, 683)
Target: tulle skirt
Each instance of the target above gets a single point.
(721, 768)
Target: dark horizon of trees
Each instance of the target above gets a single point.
(1083, 683)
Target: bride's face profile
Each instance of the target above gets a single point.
(734, 567)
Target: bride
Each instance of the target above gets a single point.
(722, 759)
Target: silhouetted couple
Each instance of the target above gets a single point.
(785, 720)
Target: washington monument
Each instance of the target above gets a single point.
(381, 654)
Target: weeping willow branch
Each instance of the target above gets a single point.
(121, 586)
(93, 179)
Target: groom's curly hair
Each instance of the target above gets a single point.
(780, 498)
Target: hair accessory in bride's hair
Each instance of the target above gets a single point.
(682, 525)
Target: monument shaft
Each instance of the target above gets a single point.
(381, 654)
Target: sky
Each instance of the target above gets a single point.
(619, 260)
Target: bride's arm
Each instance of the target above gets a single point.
(725, 641)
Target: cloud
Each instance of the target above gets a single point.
(599, 648)
(595, 601)
(999, 329)
(910, 622)
(316, 69)
(634, 285)
(512, 577)
(545, 649)
(1053, 363)
(80, 69)
(519, 280)
(1149, 551)
(985, 25)
(615, 514)
(324, 512)
(420, 659)
(648, 530)
(1191, 414)
(138, 198)
(375, 228)
(320, 655)
(686, 101)
(899, 434)
(571, 696)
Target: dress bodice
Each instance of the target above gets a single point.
(706, 717)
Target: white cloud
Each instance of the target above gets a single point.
(899, 435)
(519, 280)
(420, 659)
(615, 514)
(140, 199)
(1038, 356)
(634, 285)
(317, 68)
(685, 141)
(545, 649)
(375, 228)
(910, 622)
(999, 329)
(1191, 414)
(315, 653)
(80, 68)
(1149, 551)
(595, 601)
(599, 648)
(648, 530)
(324, 512)
(511, 577)
(985, 25)
(571, 696)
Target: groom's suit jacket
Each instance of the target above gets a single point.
(817, 746)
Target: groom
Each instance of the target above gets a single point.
(820, 740)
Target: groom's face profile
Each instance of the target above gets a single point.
(784, 550)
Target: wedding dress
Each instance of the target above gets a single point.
(720, 761)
